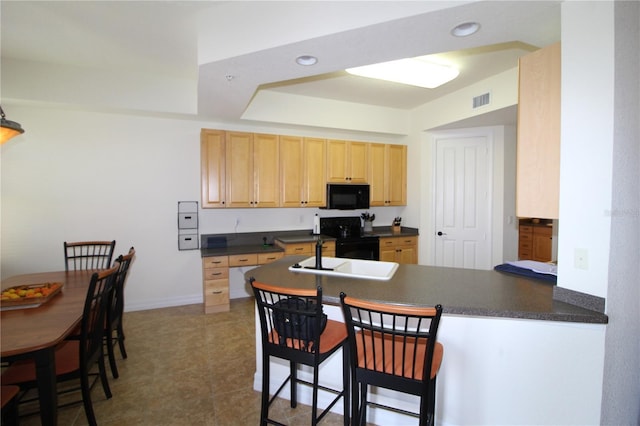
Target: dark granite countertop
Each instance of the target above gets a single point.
(263, 242)
(245, 249)
(465, 292)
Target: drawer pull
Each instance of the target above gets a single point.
(217, 273)
(217, 292)
(243, 260)
(299, 248)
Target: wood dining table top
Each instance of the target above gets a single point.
(30, 329)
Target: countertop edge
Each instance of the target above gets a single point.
(526, 298)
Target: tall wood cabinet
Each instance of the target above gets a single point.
(538, 133)
(252, 171)
(388, 174)
(347, 161)
(303, 168)
(239, 169)
(212, 168)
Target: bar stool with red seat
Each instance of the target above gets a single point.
(393, 347)
(291, 325)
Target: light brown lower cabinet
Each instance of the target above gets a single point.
(215, 274)
(535, 243)
(401, 249)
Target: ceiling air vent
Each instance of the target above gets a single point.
(481, 100)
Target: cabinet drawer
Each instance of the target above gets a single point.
(215, 262)
(243, 259)
(525, 245)
(328, 246)
(216, 273)
(388, 242)
(525, 237)
(269, 257)
(298, 248)
(216, 292)
(525, 254)
(407, 241)
(526, 229)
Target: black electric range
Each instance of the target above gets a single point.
(351, 242)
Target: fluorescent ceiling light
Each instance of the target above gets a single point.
(411, 71)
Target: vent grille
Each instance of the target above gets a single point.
(482, 100)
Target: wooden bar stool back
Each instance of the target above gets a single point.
(392, 347)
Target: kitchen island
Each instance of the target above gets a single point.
(513, 354)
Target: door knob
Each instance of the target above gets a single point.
(440, 233)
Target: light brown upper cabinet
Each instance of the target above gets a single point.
(388, 174)
(347, 161)
(252, 171)
(239, 169)
(303, 171)
(212, 168)
(538, 146)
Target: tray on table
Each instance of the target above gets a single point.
(28, 295)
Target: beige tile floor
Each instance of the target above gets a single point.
(186, 368)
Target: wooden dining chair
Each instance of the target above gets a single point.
(294, 328)
(393, 347)
(76, 358)
(88, 255)
(114, 331)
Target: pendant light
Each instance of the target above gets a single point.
(8, 128)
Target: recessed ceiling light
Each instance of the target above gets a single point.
(410, 71)
(306, 60)
(465, 29)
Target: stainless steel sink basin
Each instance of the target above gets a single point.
(350, 268)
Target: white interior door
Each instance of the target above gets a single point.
(462, 201)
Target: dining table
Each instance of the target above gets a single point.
(34, 331)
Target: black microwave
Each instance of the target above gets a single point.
(347, 196)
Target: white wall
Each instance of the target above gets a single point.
(81, 175)
(587, 144)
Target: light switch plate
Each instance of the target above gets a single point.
(581, 258)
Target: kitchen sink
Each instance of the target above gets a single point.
(349, 268)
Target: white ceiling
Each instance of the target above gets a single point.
(256, 43)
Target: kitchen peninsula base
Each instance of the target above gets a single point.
(495, 368)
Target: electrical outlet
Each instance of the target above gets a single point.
(581, 258)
